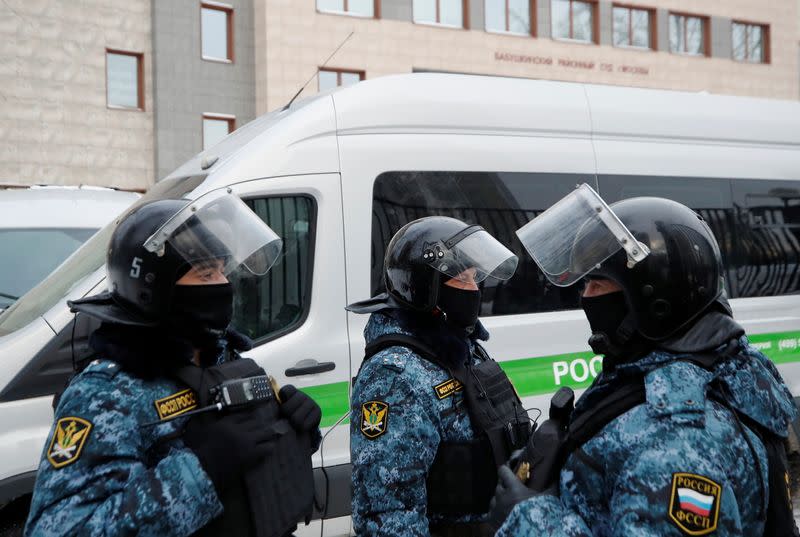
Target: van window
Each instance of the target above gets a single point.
(711, 198)
(768, 237)
(33, 253)
(756, 222)
(87, 259)
(271, 305)
(500, 202)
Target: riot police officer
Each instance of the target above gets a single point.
(682, 432)
(432, 415)
(121, 457)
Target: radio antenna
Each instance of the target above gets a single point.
(296, 95)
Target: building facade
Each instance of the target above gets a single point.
(119, 93)
(57, 125)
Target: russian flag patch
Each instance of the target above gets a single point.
(694, 503)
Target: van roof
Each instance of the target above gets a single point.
(62, 207)
(452, 103)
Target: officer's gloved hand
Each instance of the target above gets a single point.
(300, 409)
(509, 492)
(230, 445)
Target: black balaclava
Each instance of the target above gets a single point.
(461, 306)
(201, 313)
(606, 314)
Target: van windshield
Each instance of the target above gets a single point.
(26, 265)
(86, 260)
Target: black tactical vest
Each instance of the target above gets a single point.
(463, 475)
(278, 493)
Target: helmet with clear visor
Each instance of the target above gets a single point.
(576, 235)
(661, 253)
(156, 243)
(430, 250)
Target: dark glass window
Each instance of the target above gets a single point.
(711, 198)
(768, 237)
(500, 202)
(274, 304)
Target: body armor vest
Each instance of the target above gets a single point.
(277, 493)
(463, 475)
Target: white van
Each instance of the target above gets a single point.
(41, 226)
(338, 174)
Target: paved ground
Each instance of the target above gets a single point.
(794, 464)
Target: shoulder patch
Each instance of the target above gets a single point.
(448, 388)
(374, 419)
(69, 437)
(176, 404)
(694, 503)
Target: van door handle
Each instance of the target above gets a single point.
(309, 367)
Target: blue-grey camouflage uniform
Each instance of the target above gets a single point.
(629, 479)
(118, 478)
(390, 469)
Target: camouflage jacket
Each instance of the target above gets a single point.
(397, 422)
(104, 472)
(679, 464)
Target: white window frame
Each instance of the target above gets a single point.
(531, 33)
(349, 13)
(463, 25)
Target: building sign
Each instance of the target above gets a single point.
(569, 63)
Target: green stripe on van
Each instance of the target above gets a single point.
(333, 399)
(780, 347)
(545, 374)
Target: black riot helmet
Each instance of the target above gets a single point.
(681, 277)
(156, 243)
(661, 253)
(425, 250)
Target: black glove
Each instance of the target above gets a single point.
(509, 492)
(301, 410)
(229, 444)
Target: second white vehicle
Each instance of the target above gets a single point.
(41, 226)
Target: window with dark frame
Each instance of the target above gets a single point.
(451, 13)
(688, 34)
(509, 16)
(124, 79)
(269, 306)
(501, 202)
(755, 222)
(575, 20)
(332, 78)
(216, 31)
(633, 27)
(750, 42)
(216, 127)
(360, 8)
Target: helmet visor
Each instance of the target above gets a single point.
(472, 255)
(575, 236)
(219, 225)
